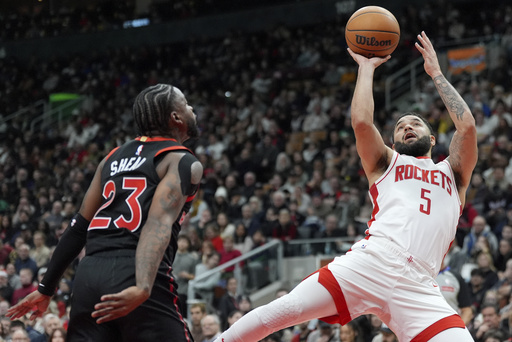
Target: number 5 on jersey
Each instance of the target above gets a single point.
(137, 186)
(425, 207)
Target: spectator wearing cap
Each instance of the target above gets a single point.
(6, 289)
(221, 201)
(385, 335)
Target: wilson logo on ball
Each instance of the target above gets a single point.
(372, 31)
(371, 41)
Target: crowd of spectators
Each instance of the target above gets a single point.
(278, 153)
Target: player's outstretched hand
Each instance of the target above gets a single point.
(426, 49)
(375, 61)
(35, 301)
(119, 304)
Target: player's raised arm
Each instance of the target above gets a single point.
(463, 147)
(374, 153)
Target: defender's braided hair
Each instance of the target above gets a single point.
(152, 108)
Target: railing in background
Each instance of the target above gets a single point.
(258, 273)
(56, 116)
(403, 81)
(24, 116)
(302, 247)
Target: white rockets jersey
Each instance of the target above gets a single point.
(416, 205)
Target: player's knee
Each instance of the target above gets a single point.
(281, 312)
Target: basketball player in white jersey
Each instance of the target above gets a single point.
(416, 206)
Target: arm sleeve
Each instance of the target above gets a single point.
(68, 248)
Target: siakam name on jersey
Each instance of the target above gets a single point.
(126, 164)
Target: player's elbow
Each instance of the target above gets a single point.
(361, 126)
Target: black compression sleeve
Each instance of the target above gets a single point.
(68, 248)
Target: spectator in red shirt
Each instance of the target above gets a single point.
(26, 276)
(229, 253)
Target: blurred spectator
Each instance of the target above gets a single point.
(479, 228)
(456, 258)
(40, 253)
(285, 228)
(491, 321)
(5, 250)
(476, 288)
(27, 285)
(50, 323)
(350, 332)
(211, 328)
(229, 253)
(233, 316)
(332, 332)
(244, 304)
(58, 335)
(204, 287)
(242, 241)
(504, 254)
(184, 267)
(55, 218)
(20, 335)
(24, 260)
(13, 277)
(226, 228)
(484, 262)
(197, 312)
(385, 335)
(211, 233)
(6, 290)
(228, 302)
(456, 292)
(331, 230)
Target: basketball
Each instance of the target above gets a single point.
(372, 31)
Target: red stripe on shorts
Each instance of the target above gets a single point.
(453, 321)
(326, 278)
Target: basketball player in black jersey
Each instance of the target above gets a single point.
(129, 222)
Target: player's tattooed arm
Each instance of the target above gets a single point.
(453, 101)
(155, 237)
(463, 147)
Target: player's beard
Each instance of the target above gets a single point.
(193, 130)
(419, 148)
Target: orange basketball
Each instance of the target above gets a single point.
(372, 31)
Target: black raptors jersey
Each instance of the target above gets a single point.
(129, 180)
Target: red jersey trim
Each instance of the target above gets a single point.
(149, 139)
(327, 279)
(453, 321)
(455, 184)
(111, 152)
(173, 148)
(177, 308)
(374, 192)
